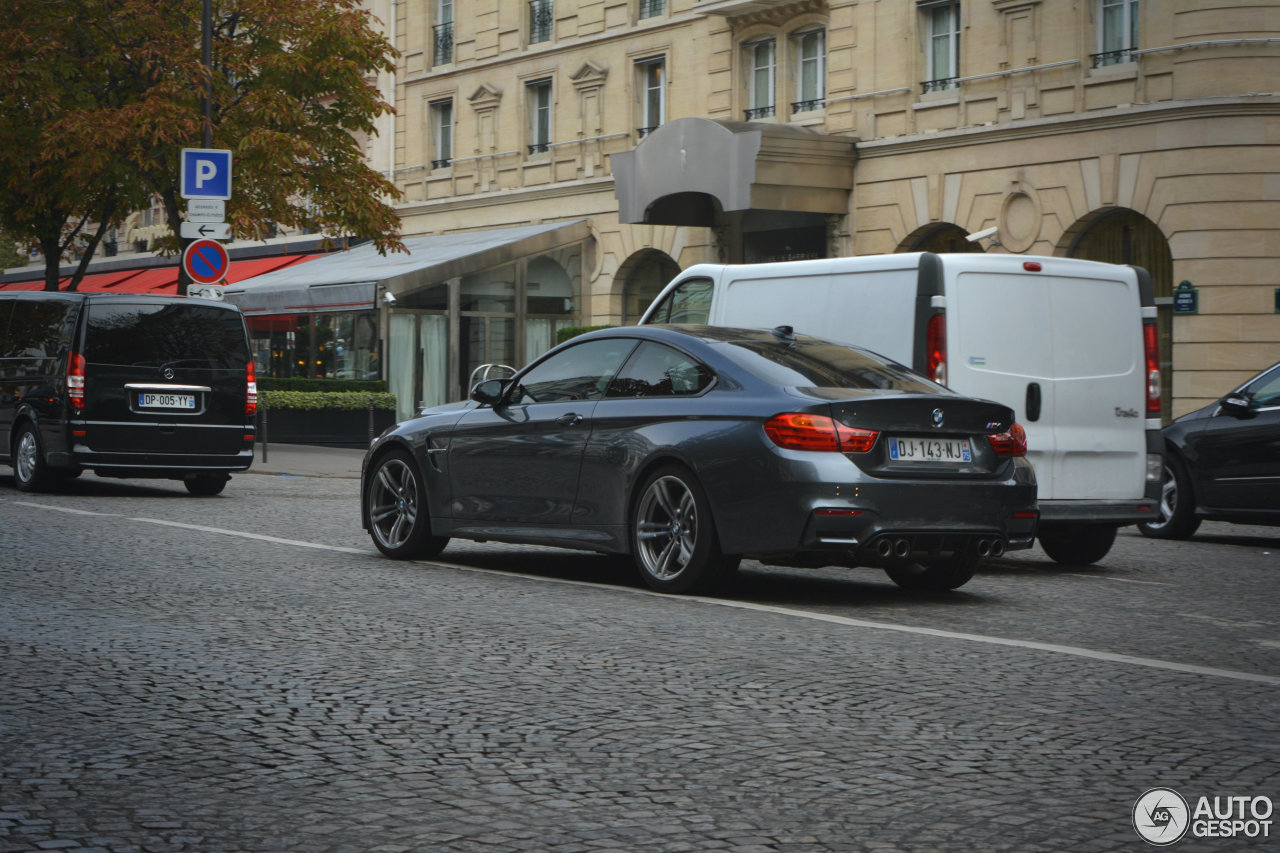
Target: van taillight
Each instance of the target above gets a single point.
(1011, 443)
(936, 349)
(800, 431)
(1150, 343)
(75, 382)
(250, 390)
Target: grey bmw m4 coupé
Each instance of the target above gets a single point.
(692, 447)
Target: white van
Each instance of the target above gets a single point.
(1069, 344)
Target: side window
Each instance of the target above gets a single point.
(1264, 392)
(38, 329)
(578, 373)
(659, 371)
(690, 303)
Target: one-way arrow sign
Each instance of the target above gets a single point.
(206, 230)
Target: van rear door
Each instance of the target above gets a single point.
(164, 377)
(1065, 339)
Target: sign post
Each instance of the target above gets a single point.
(205, 261)
(205, 182)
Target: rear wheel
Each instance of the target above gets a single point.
(1076, 544)
(30, 471)
(673, 536)
(206, 485)
(1178, 519)
(396, 504)
(951, 573)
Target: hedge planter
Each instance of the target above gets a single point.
(337, 419)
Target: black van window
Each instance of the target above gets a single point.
(38, 329)
(165, 334)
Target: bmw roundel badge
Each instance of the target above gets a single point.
(937, 417)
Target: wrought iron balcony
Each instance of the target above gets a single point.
(760, 112)
(440, 164)
(642, 132)
(442, 53)
(1112, 57)
(542, 20)
(539, 147)
(808, 106)
(652, 8)
(939, 85)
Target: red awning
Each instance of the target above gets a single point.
(240, 270)
(161, 281)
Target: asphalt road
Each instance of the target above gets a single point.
(246, 673)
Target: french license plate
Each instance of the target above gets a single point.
(929, 450)
(166, 401)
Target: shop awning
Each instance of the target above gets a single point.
(349, 280)
(693, 170)
(162, 280)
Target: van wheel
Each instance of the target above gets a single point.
(206, 485)
(1178, 518)
(30, 472)
(1076, 544)
(941, 576)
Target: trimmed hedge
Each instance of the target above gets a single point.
(573, 331)
(322, 400)
(270, 383)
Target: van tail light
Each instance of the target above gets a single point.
(75, 382)
(799, 431)
(1011, 443)
(1151, 346)
(936, 349)
(250, 390)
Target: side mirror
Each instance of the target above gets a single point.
(489, 391)
(1236, 405)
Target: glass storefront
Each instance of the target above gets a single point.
(316, 346)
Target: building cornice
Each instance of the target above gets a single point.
(1119, 117)
(546, 192)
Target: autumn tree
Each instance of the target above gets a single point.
(291, 88)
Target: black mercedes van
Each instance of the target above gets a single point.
(124, 386)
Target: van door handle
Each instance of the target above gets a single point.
(1033, 401)
(571, 419)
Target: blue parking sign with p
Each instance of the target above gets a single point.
(206, 173)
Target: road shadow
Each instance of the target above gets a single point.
(91, 486)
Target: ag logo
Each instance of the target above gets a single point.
(1161, 816)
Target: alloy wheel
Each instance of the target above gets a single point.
(393, 503)
(667, 527)
(27, 459)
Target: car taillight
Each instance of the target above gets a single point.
(250, 390)
(1151, 345)
(799, 431)
(936, 349)
(75, 381)
(1011, 443)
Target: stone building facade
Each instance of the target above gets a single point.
(685, 131)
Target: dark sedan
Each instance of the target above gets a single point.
(691, 447)
(1222, 462)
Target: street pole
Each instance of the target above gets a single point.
(206, 59)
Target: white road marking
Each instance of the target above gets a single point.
(1054, 648)
(1118, 580)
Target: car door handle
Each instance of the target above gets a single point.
(1033, 401)
(571, 419)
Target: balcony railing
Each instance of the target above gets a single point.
(1112, 57)
(541, 20)
(442, 53)
(539, 147)
(652, 8)
(642, 132)
(760, 112)
(440, 164)
(808, 106)
(939, 85)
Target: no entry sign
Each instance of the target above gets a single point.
(206, 261)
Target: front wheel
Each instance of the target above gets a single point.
(1076, 544)
(1178, 519)
(395, 502)
(941, 576)
(673, 536)
(30, 471)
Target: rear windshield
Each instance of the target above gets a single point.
(165, 333)
(820, 364)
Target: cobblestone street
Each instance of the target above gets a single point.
(278, 686)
